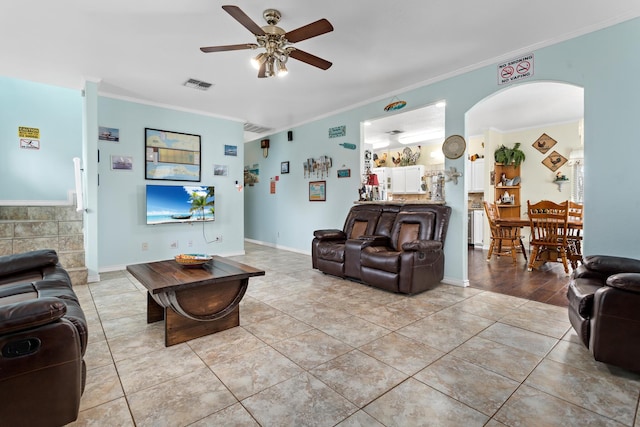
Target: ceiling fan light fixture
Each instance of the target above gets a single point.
(258, 60)
(269, 70)
(282, 69)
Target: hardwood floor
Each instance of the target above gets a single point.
(548, 284)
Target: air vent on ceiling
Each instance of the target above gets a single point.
(250, 127)
(197, 84)
(395, 132)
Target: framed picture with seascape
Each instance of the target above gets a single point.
(317, 191)
(171, 156)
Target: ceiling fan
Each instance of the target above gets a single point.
(276, 42)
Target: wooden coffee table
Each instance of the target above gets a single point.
(194, 302)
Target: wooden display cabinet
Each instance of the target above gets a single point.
(510, 172)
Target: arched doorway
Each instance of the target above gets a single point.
(523, 114)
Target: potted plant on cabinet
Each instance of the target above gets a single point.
(508, 156)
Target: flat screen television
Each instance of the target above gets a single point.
(179, 203)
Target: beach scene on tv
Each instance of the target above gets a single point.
(174, 204)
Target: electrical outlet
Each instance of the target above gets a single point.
(190, 243)
(145, 246)
(174, 244)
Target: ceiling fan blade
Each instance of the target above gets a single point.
(243, 19)
(229, 47)
(303, 56)
(317, 28)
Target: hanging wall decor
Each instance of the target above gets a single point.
(544, 143)
(338, 131)
(317, 168)
(395, 104)
(172, 156)
(317, 191)
(554, 161)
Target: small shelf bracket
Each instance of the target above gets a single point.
(560, 183)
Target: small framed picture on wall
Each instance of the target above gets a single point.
(317, 191)
(284, 167)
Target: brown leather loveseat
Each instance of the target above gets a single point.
(394, 247)
(43, 337)
(604, 309)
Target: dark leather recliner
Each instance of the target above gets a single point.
(403, 253)
(43, 337)
(410, 260)
(604, 309)
(328, 246)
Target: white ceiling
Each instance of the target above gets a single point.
(146, 49)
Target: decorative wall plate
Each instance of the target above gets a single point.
(544, 143)
(554, 161)
(454, 146)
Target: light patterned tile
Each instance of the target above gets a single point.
(97, 354)
(446, 329)
(548, 410)
(225, 345)
(531, 342)
(503, 359)
(232, 416)
(578, 356)
(114, 413)
(402, 353)
(255, 371)
(180, 401)
(300, 401)
(277, 328)
(102, 385)
(477, 387)
(352, 330)
(413, 403)
(312, 348)
(613, 397)
(360, 419)
(358, 377)
(147, 370)
(537, 322)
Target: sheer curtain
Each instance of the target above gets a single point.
(576, 160)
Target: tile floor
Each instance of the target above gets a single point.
(313, 350)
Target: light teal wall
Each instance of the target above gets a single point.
(45, 174)
(121, 202)
(287, 218)
(605, 63)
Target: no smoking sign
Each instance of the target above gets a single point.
(515, 69)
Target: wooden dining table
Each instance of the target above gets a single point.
(550, 255)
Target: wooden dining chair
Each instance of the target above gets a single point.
(504, 240)
(548, 222)
(574, 234)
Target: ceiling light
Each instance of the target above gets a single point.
(282, 69)
(269, 67)
(421, 137)
(258, 60)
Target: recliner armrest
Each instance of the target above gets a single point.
(423, 246)
(333, 234)
(30, 314)
(11, 264)
(625, 281)
(607, 264)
